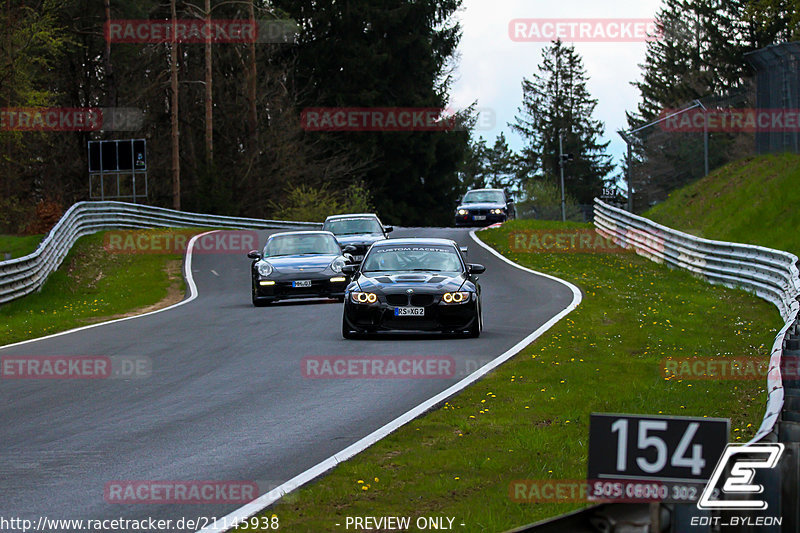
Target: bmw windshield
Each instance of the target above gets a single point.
(424, 258)
(479, 197)
(354, 226)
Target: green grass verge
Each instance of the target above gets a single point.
(18, 245)
(529, 418)
(93, 285)
(753, 201)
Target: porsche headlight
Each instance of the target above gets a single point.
(462, 211)
(337, 264)
(364, 297)
(264, 269)
(455, 297)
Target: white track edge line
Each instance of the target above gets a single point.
(187, 274)
(233, 519)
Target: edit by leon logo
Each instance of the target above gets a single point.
(740, 480)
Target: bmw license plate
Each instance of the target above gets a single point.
(409, 311)
(302, 283)
(479, 217)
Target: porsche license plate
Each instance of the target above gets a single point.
(479, 217)
(409, 311)
(302, 283)
(358, 258)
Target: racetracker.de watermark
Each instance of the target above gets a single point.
(597, 491)
(180, 492)
(196, 31)
(730, 368)
(377, 119)
(730, 120)
(576, 30)
(70, 119)
(562, 241)
(176, 242)
(548, 490)
(379, 367)
(75, 367)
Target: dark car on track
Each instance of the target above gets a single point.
(298, 264)
(413, 285)
(482, 207)
(357, 231)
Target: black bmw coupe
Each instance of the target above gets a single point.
(357, 232)
(482, 207)
(413, 285)
(298, 264)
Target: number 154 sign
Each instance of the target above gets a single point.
(659, 448)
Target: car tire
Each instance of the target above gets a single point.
(347, 331)
(475, 331)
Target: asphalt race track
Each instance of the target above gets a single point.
(227, 399)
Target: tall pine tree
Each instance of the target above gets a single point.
(557, 104)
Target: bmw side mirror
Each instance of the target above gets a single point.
(388, 229)
(254, 254)
(349, 249)
(349, 269)
(475, 268)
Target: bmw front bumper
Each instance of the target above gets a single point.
(469, 220)
(380, 316)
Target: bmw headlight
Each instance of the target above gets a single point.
(363, 297)
(337, 264)
(456, 297)
(497, 211)
(264, 269)
(462, 211)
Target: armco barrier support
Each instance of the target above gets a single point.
(24, 275)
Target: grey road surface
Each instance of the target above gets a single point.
(226, 399)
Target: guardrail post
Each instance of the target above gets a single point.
(789, 488)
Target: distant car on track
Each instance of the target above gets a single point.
(358, 231)
(298, 264)
(482, 207)
(413, 285)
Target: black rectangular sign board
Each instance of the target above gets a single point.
(653, 457)
(117, 156)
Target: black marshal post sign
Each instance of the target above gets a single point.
(114, 168)
(653, 458)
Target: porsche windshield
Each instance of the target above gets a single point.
(413, 258)
(314, 243)
(353, 226)
(491, 197)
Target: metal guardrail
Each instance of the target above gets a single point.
(24, 275)
(770, 274)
